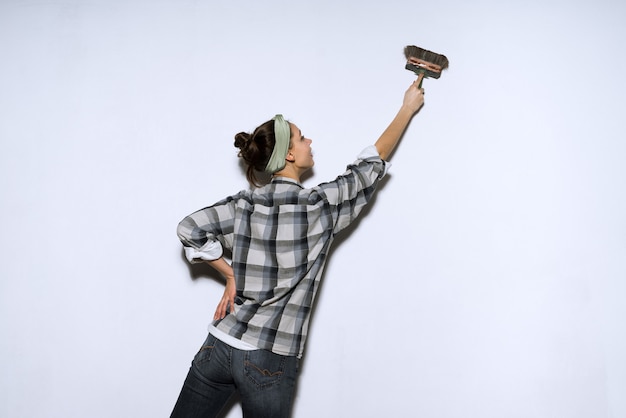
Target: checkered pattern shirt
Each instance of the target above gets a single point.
(279, 236)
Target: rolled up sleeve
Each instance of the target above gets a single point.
(205, 232)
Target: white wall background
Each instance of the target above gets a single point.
(487, 279)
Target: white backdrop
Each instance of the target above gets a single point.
(487, 278)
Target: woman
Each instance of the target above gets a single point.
(279, 235)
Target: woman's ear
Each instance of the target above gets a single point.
(290, 157)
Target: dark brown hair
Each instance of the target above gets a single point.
(256, 149)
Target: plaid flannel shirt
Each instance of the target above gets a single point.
(279, 236)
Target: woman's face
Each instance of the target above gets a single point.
(300, 151)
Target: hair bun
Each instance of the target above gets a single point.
(242, 139)
(256, 148)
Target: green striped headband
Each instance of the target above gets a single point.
(282, 134)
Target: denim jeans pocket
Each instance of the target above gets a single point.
(204, 354)
(264, 368)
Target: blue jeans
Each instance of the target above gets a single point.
(265, 381)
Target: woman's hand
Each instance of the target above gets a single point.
(414, 96)
(228, 299)
(413, 101)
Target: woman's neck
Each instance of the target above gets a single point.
(288, 172)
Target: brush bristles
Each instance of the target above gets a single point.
(413, 51)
